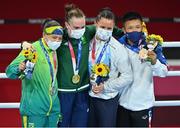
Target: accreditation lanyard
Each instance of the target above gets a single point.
(79, 53)
(101, 53)
(49, 62)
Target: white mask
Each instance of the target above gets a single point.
(53, 44)
(103, 34)
(77, 33)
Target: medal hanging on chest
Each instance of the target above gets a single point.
(52, 89)
(99, 69)
(76, 77)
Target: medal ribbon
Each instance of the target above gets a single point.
(101, 53)
(75, 65)
(49, 62)
(101, 57)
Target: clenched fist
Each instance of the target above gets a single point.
(27, 45)
(152, 56)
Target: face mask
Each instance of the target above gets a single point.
(135, 37)
(78, 33)
(53, 44)
(103, 34)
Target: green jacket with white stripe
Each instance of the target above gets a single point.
(65, 68)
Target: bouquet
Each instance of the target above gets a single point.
(100, 73)
(31, 58)
(152, 42)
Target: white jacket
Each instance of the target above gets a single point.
(140, 94)
(119, 64)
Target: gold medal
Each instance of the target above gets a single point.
(75, 79)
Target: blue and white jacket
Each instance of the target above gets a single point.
(119, 64)
(140, 94)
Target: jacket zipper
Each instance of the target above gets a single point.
(50, 106)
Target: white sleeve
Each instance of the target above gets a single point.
(159, 69)
(124, 67)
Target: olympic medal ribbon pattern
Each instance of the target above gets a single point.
(100, 70)
(53, 73)
(76, 77)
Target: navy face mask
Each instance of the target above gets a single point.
(136, 37)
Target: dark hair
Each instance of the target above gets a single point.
(131, 16)
(49, 23)
(106, 13)
(72, 11)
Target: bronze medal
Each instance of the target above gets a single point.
(75, 79)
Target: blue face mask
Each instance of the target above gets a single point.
(136, 37)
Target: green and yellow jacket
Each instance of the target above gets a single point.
(36, 98)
